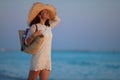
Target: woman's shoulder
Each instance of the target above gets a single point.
(34, 26)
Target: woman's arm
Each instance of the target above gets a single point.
(31, 38)
(54, 22)
(32, 34)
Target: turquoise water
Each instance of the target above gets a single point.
(66, 65)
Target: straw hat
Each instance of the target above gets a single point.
(37, 7)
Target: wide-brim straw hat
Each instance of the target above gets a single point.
(37, 7)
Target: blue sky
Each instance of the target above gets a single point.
(85, 24)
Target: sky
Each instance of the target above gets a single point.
(92, 25)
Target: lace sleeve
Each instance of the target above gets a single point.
(54, 22)
(30, 32)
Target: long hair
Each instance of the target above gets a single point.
(36, 20)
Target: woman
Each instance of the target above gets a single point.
(44, 17)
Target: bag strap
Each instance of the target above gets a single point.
(36, 28)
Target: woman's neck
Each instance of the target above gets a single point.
(42, 21)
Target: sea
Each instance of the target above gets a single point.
(66, 65)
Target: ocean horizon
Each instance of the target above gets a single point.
(66, 65)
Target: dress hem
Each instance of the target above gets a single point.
(40, 69)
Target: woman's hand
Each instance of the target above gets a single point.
(37, 33)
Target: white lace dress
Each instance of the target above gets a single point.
(42, 60)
